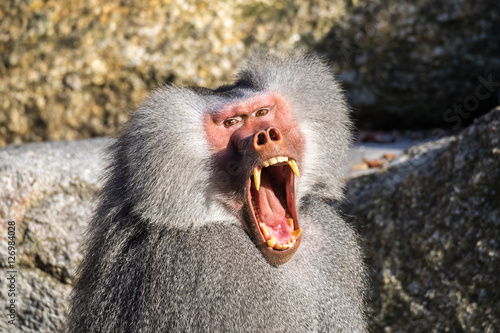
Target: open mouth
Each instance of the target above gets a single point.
(272, 202)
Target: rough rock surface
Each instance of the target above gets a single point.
(407, 63)
(73, 69)
(431, 224)
(47, 190)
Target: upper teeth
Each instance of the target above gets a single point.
(272, 161)
(275, 160)
(282, 159)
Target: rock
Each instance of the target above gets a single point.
(431, 224)
(418, 63)
(73, 69)
(47, 190)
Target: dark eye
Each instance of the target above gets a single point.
(261, 112)
(230, 122)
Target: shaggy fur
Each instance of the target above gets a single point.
(165, 254)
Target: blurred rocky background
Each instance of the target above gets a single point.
(74, 69)
(425, 63)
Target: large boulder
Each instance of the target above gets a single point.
(46, 192)
(431, 224)
(418, 63)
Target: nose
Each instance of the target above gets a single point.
(263, 139)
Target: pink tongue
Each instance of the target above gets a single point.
(270, 209)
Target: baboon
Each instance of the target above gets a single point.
(217, 212)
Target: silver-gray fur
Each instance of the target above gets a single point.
(165, 254)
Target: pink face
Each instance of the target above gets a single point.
(258, 147)
(239, 120)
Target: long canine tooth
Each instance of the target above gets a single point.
(271, 241)
(256, 177)
(296, 233)
(293, 166)
(290, 222)
(273, 160)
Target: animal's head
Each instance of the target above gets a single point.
(255, 147)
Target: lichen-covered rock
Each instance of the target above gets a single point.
(73, 69)
(431, 221)
(47, 190)
(407, 63)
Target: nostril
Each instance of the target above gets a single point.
(274, 134)
(261, 139)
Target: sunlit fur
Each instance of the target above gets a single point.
(165, 253)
